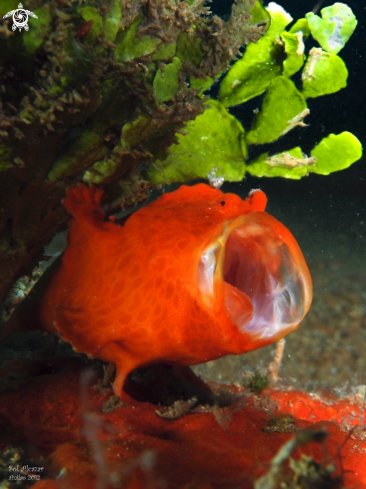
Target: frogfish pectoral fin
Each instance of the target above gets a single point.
(75, 325)
(267, 285)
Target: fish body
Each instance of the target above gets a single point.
(194, 276)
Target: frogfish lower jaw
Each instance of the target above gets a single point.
(258, 270)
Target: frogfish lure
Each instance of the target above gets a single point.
(195, 275)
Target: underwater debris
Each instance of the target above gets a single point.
(282, 424)
(287, 159)
(275, 365)
(305, 472)
(177, 410)
(20, 289)
(114, 402)
(258, 382)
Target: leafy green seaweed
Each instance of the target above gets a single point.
(212, 147)
(279, 20)
(290, 164)
(336, 152)
(266, 67)
(251, 75)
(324, 73)
(283, 108)
(334, 28)
(166, 83)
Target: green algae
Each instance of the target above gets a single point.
(78, 65)
(336, 152)
(134, 133)
(258, 382)
(111, 23)
(39, 31)
(101, 172)
(282, 109)
(279, 20)
(259, 14)
(252, 74)
(5, 157)
(165, 51)
(324, 73)
(130, 46)
(202, 84)
(291, 164)
(294, 164)
(222, 154)
(334, 28)
(166, 83)
(294, 49)
(91, 13)
(303, 26)
(267, 66)
(84, 151)
(189, 49)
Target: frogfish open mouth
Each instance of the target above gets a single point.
(195, 275)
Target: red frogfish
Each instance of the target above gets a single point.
(195, 275)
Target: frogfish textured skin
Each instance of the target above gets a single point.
(191, 277)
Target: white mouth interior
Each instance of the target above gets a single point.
(266, 291)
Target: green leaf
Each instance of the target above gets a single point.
(91, 13)
(336, 152)
(166, 83)
(212, 148)
(111, 23)
(258, 14)
(290, 164)
(294, 49)
(5, 157)
(201, 84)
(301, 25)
(279, 20)
(100, 172)
(283, 108)
(251, 75)
(84, 151)
(139, 130)
(189, 49)
(323, 73)
(131, 46)
(34, 38)
(165, 51)
(333, 30)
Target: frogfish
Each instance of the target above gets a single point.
(191, 277)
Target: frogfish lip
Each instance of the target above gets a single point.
(257, 270)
